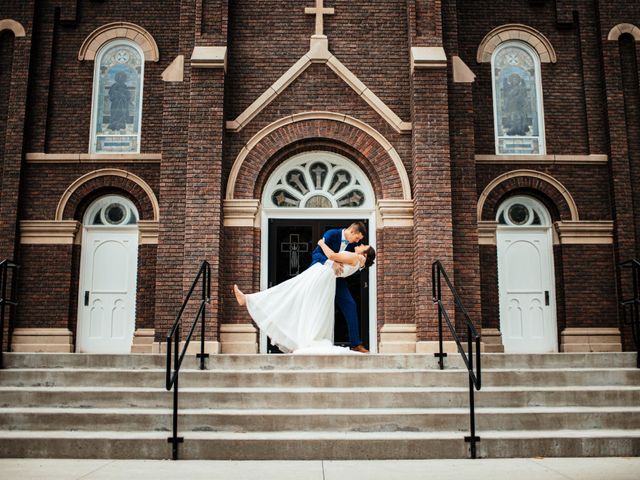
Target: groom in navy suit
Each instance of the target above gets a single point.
(340, 240)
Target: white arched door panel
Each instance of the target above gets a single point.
(526, 278)
(108, 271)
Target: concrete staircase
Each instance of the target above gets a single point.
(306, 407)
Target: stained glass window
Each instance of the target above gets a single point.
(117, 98)
(318, 180)
(111, 211)
(522, 211)
(517, 100)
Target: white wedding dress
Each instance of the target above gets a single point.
(298, 315)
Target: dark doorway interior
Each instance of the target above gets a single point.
(290, 245)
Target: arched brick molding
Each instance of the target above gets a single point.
(15, 27)
(616, 32)
(107, 32)
(516, 31)
(111, 178)
(531, 180)
(374, 154)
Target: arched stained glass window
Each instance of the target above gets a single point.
(522, 211)
(111, 211)
(318, 180)
(517, 100)
(117, 98)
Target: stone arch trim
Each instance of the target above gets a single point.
(516, 31)
(616, 32)
(382, 157)
(15, 27)
(103, 34)
(109, 177)
(538, 181)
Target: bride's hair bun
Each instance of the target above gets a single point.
(371, 256)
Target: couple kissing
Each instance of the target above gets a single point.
(298, 314)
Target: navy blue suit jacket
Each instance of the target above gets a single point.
(333, 239)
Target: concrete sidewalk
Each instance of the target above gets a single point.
(611, 468)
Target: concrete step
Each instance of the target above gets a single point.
(318, 445)
(270, 362)
(335, 420)
(318, 378)
(295, 398)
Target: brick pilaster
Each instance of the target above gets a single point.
(13, 150)
(431, 187)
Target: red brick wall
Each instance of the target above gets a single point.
(370, 38)
(6, 59)
(589, 286)
(395, 270)
(489, 281)
(45, 184)
(45, 286)
(67, 84)
(618, 77)
(631, 86)
(563, 85)
(452, 122)
(146, 286)
(588, 185)
(431, 184)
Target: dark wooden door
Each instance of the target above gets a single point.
(291, 243)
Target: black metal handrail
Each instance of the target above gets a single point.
(438, 272)
(204, 274)
(5, 266)
(631, 306)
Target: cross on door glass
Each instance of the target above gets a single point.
(294, 247)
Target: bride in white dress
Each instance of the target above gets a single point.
(298, 315)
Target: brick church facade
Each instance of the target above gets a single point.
(139, 138)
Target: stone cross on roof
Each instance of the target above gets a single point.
(319, 11)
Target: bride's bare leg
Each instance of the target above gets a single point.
(239, 295)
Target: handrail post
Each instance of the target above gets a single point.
(631, 306)
(175, 440)
(205, 276)
(475, 382)
(12, 300)
(173, 375)
(472, 439)
(635, 310)
(3, 289)
(437, 285)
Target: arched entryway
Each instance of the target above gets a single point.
(306, 195)
(108, 272)
(526, 277)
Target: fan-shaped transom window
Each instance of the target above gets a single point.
(117, 98)
(517, 100)
(523, 211)
(318, 180)
(111, 211)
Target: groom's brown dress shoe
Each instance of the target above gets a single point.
(360, 348)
